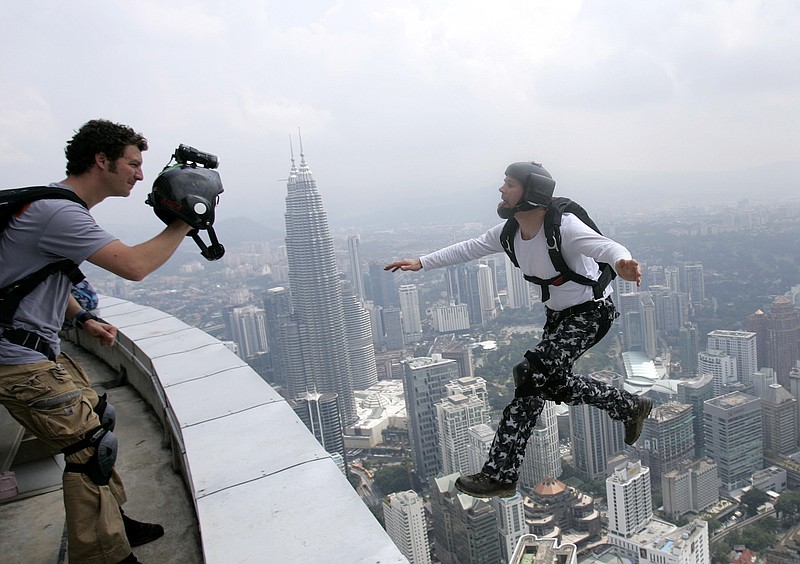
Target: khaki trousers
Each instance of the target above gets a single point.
(54, 401)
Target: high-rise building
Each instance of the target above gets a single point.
(404, 515)
(511, 526)
(542, 456)
(393, 328)
(594, 435)
(320, 414)
(424, 380)
(649, 332)
(479, 441)
(464, 527)
(694, 283)
(757, 323)
(359, 339)
(356, 274)
(277, 309)
(721, 366)
(316, 295)
(455, 414)
(692, 487)
(409, 305)
(248, 329)
(453, 317)
(689, 340)
(487, 291)
(738, 344)
(382, 286)
(734, 437)
(519, 295)
(783, 338)
(630, 504)
(695, 392)
(779, 421)
(667, 438)
(672, 278)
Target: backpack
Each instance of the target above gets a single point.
(12, 202)
(552, 231)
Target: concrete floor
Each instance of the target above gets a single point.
(32, 523)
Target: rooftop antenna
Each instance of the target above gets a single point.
(300, 137)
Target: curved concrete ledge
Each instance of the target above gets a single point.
(263, 488)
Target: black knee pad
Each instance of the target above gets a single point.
(100, 466)
(106, 412)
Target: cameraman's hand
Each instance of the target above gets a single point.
(102, 331)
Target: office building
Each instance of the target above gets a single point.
(316, 295)
(356, 274)
(594, 435)
(542, 456)
(511, 524)
(409, 306)
(519, 295)
(247, 328)
(721, 366)
(734, 437)
(691, 488)
(783, 338)
(487, 292)
(779, 421)
(695, 392)
(359, 339)
(424, 381)
(689, 347)
(479, 441)
(630, 505)
(320, 414)
(455, 414)
(404, 516)
(394, 338)
(742, 346)
(667, 438)
(694, 282)
(382, 286)
(464, 527)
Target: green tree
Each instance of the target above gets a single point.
(390, 479)
(752, 499)
(787, 506)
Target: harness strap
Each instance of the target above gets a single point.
(30, 340)
(11, 295)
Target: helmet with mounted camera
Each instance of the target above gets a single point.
(537, 186)
(187, 192)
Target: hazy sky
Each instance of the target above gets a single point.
(405, 99)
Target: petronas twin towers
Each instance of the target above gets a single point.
(316, 355)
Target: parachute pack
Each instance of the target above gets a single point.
(552, 231)
(12, 202)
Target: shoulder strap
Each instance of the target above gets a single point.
(507, 239)
(11, 201)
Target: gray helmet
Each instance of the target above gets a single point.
(535, 180)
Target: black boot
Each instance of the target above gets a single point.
(130, 559)
(139, 533)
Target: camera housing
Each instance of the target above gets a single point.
(185, 154)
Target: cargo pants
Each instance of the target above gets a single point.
(565, 337)
(54, 401)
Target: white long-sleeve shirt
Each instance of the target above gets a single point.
(581, 246)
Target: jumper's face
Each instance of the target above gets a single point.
(511, 192)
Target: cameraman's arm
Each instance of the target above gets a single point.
(134, 263)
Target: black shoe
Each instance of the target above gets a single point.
(140, 533)
(633, 426)
(130, 559)
(481, 485)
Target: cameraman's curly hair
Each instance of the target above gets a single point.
(99, 136)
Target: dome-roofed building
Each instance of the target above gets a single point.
(555, 510)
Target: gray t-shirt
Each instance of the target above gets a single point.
(47, 231)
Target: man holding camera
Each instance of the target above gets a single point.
(43, 389)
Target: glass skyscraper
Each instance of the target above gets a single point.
(320, 359)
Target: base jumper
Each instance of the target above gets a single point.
(579, 312)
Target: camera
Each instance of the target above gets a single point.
(185, 154)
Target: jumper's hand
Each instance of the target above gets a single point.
(629, 270)
(404, 264)
(101, 331)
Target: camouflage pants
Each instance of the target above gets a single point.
(566, 336)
